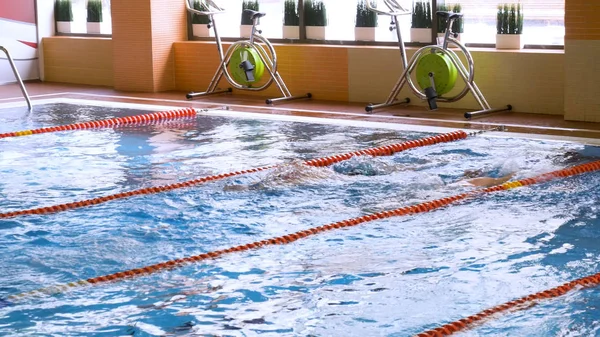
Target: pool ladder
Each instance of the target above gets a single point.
(17, 76)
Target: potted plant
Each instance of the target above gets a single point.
(441, 22)
(509, 26)
(458, 26)
(246, 24)
(420, 30)
(63, 14)
(315, 19)
(94, 16)
(366, 22)
(291, 20)
(200, 22)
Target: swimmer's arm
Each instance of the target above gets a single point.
(488, 181)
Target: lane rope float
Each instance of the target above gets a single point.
(522, 303)
(107, 123)
(289, 238)
(319, 162)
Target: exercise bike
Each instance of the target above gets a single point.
(437, 67)
(245, 61)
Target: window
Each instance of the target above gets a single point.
(544, 21)
(228, 23)
(342, 14)
(80, 17)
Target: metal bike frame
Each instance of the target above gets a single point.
(267, 55)
(17, 76)
(467, 75)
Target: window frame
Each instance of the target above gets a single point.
(304, 40)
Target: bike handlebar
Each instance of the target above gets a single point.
(393, 5)
(212, 7)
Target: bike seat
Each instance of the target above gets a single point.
(254, 14)
(448, 15)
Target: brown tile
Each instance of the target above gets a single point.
(413, 115)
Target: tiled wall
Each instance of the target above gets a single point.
(79, 60)
(169, 25)
(320, 70)
(132, 45)
(530, 81)
(143, 35)
(582, 70)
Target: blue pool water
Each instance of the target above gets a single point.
(392, 277)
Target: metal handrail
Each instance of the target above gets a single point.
(17, 76)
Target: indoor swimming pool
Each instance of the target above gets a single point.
(397, 276)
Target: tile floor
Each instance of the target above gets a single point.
(453, 118)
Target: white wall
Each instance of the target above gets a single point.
(19, 37)
(45, 27)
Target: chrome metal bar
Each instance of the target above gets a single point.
(288, 98)
(17, 76)
(469, 115)
(267, 55)
(369, 108)
(206, 93)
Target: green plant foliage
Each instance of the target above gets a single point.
(421, 14)
(458, 26)
(248, 4)
(364, 16)
(315, 13)
(290, 13)
(198, 19)
(63, 10)
(509, 19)
(94, 11)
(441, 22)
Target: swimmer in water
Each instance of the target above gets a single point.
(474, 178)
(295, 172)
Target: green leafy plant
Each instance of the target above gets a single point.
(248, 4)
(421, 14)
(290, 13)
(198, 19)
(458, 26)
(509, 19)
(63, 10)
(315, 13)
(364, 16)
(94, 11)
(441, 22)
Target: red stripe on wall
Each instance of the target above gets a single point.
(18, 10)
(30, 44)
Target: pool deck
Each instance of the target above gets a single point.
(515, 122)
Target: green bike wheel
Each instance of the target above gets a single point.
(238, 74)
(444, 72)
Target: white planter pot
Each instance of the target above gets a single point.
(315, 33)
(364, 33)
(509, 41)
(94, 27)
(64, 26)
(201, 30)
(245, 31)
(291, 32)
(420, 35)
